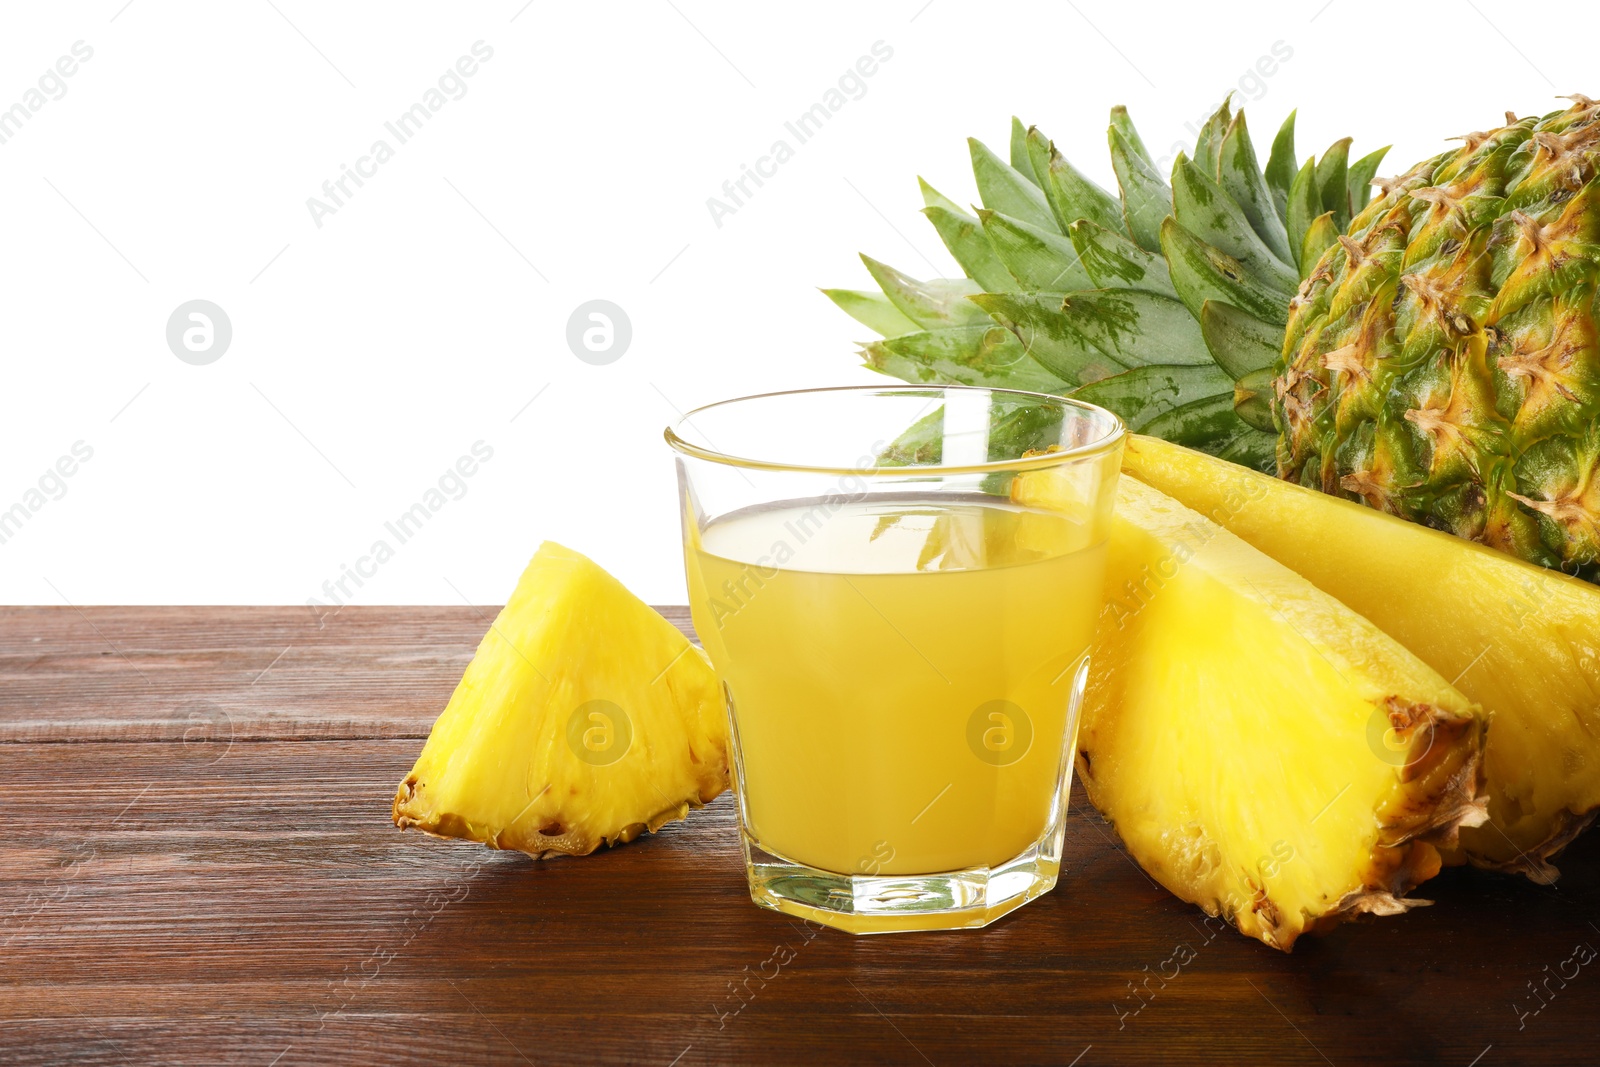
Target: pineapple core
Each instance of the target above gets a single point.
(585, 717)
(1264, 751)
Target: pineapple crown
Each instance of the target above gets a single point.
(1166, 303)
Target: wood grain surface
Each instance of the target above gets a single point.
(198, 867)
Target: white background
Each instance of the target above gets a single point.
(426, 313)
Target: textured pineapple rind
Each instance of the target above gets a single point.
(1441, 792)
(1440, 361)
(1525, 641)
(594, 638)
(449, 826)
(1414, 806)
(1438, 796)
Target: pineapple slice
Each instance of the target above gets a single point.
(1264, 751)
(1521, 641)
(584, 717)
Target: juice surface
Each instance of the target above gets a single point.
(900, 671)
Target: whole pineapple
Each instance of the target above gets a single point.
(1441, 360)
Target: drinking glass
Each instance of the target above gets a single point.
(898, 587)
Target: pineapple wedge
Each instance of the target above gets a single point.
(1263, 751)
(1522, 641)
(585, 717)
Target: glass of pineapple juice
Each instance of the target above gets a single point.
(898, 587)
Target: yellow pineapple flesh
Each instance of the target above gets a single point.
(1264, 751)
(584, 717)
(1522, 641)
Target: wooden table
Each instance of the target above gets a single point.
(199, 867)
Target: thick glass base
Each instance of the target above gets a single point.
(897, 903)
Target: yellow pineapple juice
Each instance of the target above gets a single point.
(900, 672)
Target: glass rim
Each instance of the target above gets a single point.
(1100, 446)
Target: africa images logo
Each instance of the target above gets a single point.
(405, 126)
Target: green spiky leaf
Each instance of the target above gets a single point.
(972, 355)
(1038, 259)
(1323, 235)
(1139, 328)
(1237, 340)
(1053, 340)
(1211, 425)
(1146, 200)
(1304, 206)
(1362, 171)
(1003, 188)
(1281, 170)
(921, 445)
(1208, 144)
(872, 310)
(1333, 177)
(1070, 195)
(1201, 272)
(1214, 217)
(1241, 178)
(963, 235)
(932, 197)
(1124, 125)
(1143, 394)
(931, 305)
(1019, 152)
(1252, 399)
(1115, 262)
